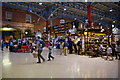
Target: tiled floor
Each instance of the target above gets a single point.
(23, 65)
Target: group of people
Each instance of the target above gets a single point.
(39, 48)
(112, 49)
(68, 45)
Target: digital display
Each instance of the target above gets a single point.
(44, 28)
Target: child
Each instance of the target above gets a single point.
(50, 52)
(109, 52)
(31, 47)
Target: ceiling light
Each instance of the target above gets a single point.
(51, 14)
(110, 10)
(113, 21)
(112, 26)
(30, 10)
(101, 18)
(86, 21)
(99, 23)
(5, 28)
(40, 3)
(102, 30)
(64, 8)
(73, 26)
(26, 32)
(85, 33)
(86, 0)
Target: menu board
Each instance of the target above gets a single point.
(61, 29)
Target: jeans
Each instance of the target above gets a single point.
(32, 49)
(61, 51)
(65, 51)
(15, 49)
(79, 49)
(49, 56)
(75, 48)
(40, 56)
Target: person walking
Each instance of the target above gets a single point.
(40, 45)
(109, 52)
(31, 48)
(50, 52)
(113, 47)
(61, 48)
(11, 46)
(15, 47)
(7, 43)
(70, 45)
(65, 46)
(2, 44)
(79, 46)
(100, 50)
(75, 46)
(117, 50)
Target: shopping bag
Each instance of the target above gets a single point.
(35, 55)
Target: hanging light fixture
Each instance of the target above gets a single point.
(30, 10)
(51, 14)
(101, 18)
(40, 3)
(113, 21)
(64, 8)
(112, 25)
(74, 18)
(110, 9)
(99, 23)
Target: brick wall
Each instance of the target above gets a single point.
(20, 17)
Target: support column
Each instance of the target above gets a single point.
(47, 42)
(47, 27)
(89, 15)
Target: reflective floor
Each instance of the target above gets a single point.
(0, 64)
(23, 65)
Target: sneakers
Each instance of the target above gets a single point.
(44, 60)
(38, 62)
(48, 60)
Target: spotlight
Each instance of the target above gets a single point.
(40, 3)
(110, 10)
(113, 21)
(51, 14)
(101, 18)
(74, 18)
(99, 23)
(112, 26)
(64, 8)
(26, 32)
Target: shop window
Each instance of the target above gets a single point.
(28, 18)
(8, 16)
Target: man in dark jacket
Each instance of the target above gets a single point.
(70, 45)
(40, 45)
(79, 46)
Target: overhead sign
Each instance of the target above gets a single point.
(62, 21)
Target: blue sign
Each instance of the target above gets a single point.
(44, 28)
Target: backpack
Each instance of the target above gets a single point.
(42, 43)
